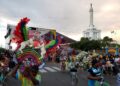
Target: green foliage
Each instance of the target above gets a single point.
(106, 40)
(86, 44)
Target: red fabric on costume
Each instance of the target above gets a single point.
(36, 43)
(17, 31)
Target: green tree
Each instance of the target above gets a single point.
(106, 41)
(86, 44)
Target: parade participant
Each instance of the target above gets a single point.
(73, 72)
(30, 76)
(63, 64)
(27, 57)
(72, 66)
(118, 79)
(118, 74)
(94, 74)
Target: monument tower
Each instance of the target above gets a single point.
(92, 33)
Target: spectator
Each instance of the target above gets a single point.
(118, 79)
(94, 74)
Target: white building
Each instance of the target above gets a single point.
(92, 33)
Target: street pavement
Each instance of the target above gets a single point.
(63, 78)
(53, 76)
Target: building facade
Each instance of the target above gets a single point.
(92, 33)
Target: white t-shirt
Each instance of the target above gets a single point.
(117, 59)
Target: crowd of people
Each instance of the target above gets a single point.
(9, 66)
(109, 63)
(70, 61)
(103, 64)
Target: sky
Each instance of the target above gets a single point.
(69, 17)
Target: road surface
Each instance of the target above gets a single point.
(52, 76)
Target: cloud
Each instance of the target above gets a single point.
(69, 17)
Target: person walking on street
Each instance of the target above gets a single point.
(94, 74)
